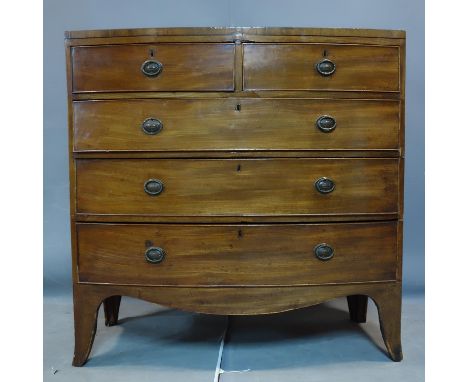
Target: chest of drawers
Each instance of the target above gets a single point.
(236, 171)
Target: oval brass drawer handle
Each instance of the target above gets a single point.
(326, 67)
(151, 68)
(326, 124)
(151, 126)
(324, 185)
(154, 187)
(324, 251)
(155, 255)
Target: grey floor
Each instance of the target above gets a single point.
(153, 343)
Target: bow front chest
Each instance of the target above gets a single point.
(236, 171)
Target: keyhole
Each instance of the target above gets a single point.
(238, 167)
(325, 53)
(238, 107)
(151, 52)
(239, 233)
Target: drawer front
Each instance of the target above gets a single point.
(235, 254)
(294, 67)
(267, 187)
(235, 124)
(185, 67)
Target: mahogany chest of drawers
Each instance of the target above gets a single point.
(236, 171)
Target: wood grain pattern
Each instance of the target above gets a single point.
(239, 219)
(237, 187)
(292, 94)
(85, 307)
(236, 31)
(237, 301)
(233, 221)
(241, 154)
(186, 67)
(71, 164)
(236, 254)
(241, 38)
(389, 307)
(235, 124)
(292, 67)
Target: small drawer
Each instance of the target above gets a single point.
(157, 67)
(171, 125)
(321, 67)
(244, 187)
(236, 254)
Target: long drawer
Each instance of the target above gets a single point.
(247, 187)
(235, 124)
(321, 67)
(157, 67)
(154, 254)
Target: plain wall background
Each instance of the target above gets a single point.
(62, 15)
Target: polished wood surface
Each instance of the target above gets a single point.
(187, 67)
(237, 31)
(239, 219)
(237, 301)
(236, 254)
(235, 124)
(239, 93)
(237, 187)
(239, 153)
(292, 67)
